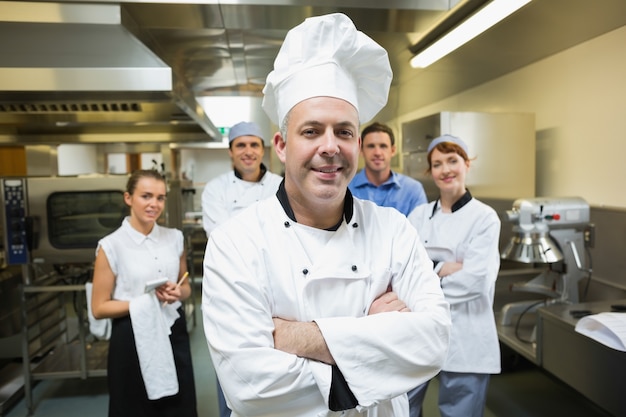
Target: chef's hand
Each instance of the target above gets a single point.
(389, 301)
(169, 292)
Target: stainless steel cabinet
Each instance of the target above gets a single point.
(593, 369)
(502, 146)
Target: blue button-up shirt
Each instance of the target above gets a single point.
(399, 191)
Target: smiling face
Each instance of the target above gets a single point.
(377, 152)
(320, 152)
(246, 153)
(146, 203)
(448, 170)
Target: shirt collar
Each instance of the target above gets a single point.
(459, 204)
(361, 180)
(393, 179)
(137, 236)
(348, 208)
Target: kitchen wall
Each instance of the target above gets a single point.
(577, 98)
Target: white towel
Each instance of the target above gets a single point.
(101, 328)
(151, 326)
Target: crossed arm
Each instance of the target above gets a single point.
(305, 339)
(449, 268)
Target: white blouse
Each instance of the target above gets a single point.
(136, 258)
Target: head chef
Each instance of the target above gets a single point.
(307, 261)
(328, 78)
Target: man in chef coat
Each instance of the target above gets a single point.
(248, 182)
(315, 303)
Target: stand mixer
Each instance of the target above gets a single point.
(548, 231)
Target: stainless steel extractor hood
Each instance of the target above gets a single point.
(74, 73)
(94, 70)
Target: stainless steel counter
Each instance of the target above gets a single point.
(590, 367)
(519, 335)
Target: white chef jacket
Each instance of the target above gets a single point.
(470, 235)
(256, 268)
(227, 194)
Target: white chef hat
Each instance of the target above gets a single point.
(327, 56)
(244, 129)
(447, 138)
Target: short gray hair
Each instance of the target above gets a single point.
(283, 127)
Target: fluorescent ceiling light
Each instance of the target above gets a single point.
(479, 22)
(226, 111)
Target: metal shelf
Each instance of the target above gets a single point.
(520, 338)
(51, 349)
(65, 361)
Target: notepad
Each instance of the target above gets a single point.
(155, 283)
(606, 328)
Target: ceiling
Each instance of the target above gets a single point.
(132, 71)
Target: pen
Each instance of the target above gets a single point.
(182, 279)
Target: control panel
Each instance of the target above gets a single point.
(14, 220)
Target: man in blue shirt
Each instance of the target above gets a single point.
(377, 182)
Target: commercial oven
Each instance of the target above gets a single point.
(58, 220)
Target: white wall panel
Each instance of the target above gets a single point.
(577, 97)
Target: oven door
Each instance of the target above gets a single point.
(70, 215)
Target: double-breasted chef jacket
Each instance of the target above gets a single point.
(227, 194)
(262, 264)
(469, 234)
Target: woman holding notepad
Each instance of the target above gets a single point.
(140, 279)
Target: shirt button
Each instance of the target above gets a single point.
(354, 268)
